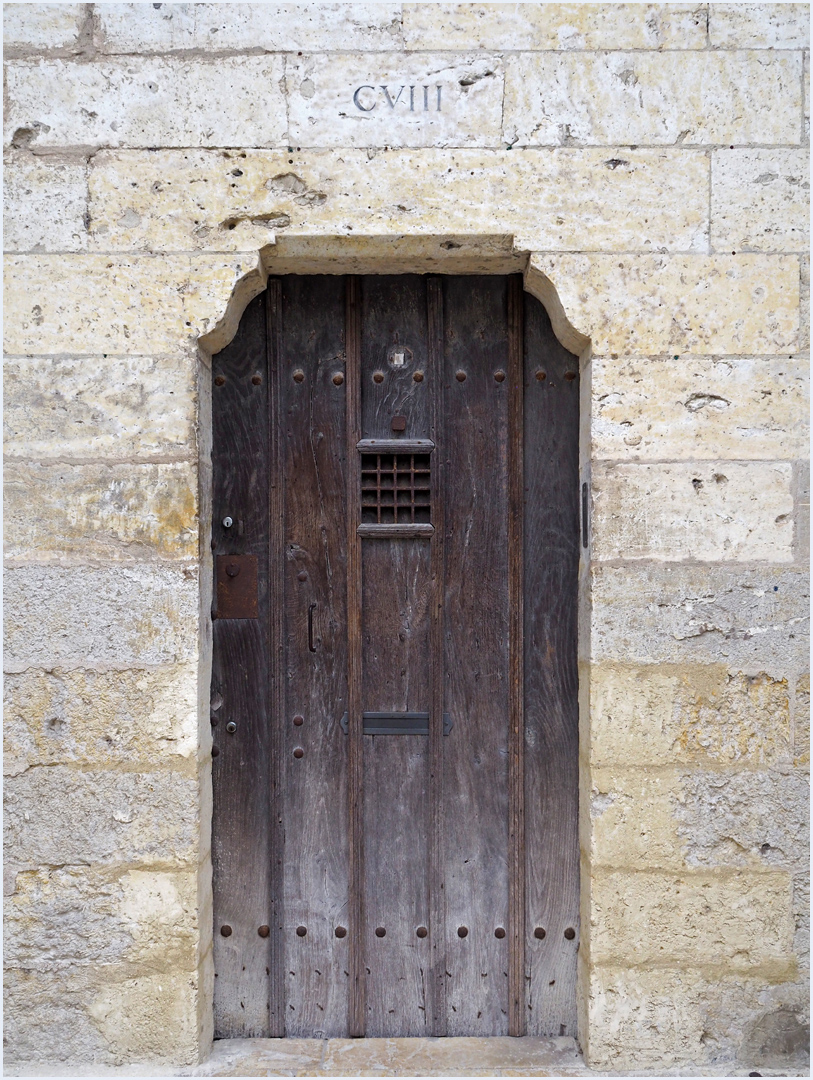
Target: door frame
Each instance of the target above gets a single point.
(481, 255)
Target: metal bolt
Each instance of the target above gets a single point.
(570, 375)
(219, 380)
(299, 752)
(263, 930)
(231, 727)
(539, 933)
(301, 576)
(378, 377)
(256, 379)
(232, 569)
(541, 376)
(338, 379)
(422, 932)
(299, 721)
(301, 931)
(227, 522)
(499, 932)
(225, 930)
(461, 376)
(499, 376)
(380, 931)
(418, 376)
(462, 931)
(399, 423)
(340, 931)
(570, 933)
(215, 751)
(299, 376)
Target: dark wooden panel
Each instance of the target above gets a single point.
(242, 793)
(551, 710)
(315, 634)
(475, 809)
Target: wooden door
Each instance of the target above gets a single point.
(394, 688)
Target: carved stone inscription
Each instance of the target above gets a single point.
(421, 98)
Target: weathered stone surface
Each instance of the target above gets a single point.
(562, 198)
(801, 722)
(44, 203)
(80, 408)
(743, 818)
(748, 618)
(632, 820)
(647, 305)
(113, 719)
(60, 513)
(716, 511)
(804, 302)
(697, 407)
(40, 27)
(366, 100)
(741, 921)
(140, 28)
(118, 617)
(148, 101)
(554, 99)
(44, 1009)
(138, 305)
(81, 915)
(681, 1017)
(708, 715)
(60, 816)
(527, 27)
(135, 1014)
(759, 26)
(760, 199)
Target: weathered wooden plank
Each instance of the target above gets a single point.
(241, 779)
(516, 726)
(314, 749)
(551, 712)
(475, 807)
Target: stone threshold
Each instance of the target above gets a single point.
(389, 1057)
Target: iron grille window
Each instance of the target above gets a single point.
(395, 489)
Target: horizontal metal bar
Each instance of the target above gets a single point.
(395, 446)
(397, 723)
(382, 532)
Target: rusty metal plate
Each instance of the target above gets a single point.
(236, 585)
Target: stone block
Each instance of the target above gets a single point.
(755, 819)
(148, 101)
(142, 28)
(804, 302)
(646, 305)
(760, 199)
(107, 719)
(136, 1015)
(82, 915)
(704, 715)
(44, 202)
(117, 617)
(381, 99)
(564, 198)
(749, 618)
(720, 511)
(42, 27)
(639, 1019)
(801, 722)
(48, 1009)
(700, 407)
(60, 816)
(79, 408)
(632, 819)
(68, 304)
(741, 921)
(687, 98)
(759, 26)
(115, 513)
(529, 27)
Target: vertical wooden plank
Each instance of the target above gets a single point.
(437, 892)
(475, 778)
(516, 740)
(310, 555)
(396, 628)
(276, 666)
(355, 802)
(551, 682)
(241, 839)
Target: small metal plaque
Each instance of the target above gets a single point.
(396, 723)
(236, 585)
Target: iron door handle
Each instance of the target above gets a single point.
(311, 646)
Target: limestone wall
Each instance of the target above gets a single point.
(647, 166)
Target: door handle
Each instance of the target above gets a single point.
(311, 646)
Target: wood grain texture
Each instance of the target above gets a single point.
(312, 560)
(241, 782)
(475, 806)
(551, 708)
